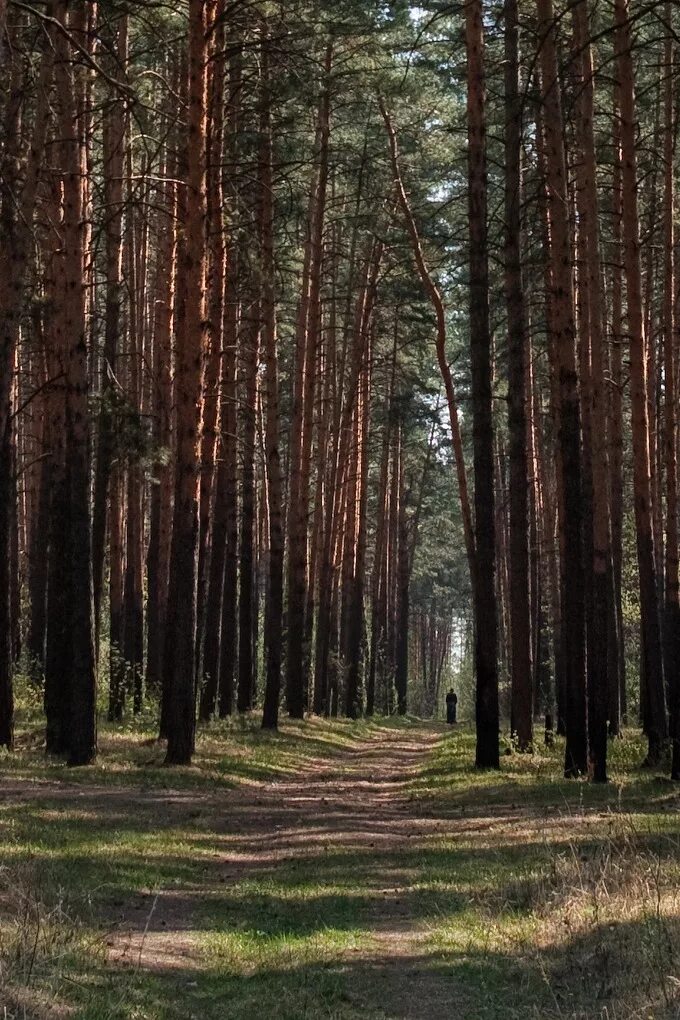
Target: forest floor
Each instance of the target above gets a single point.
(335, 870)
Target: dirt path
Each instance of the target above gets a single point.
(299, 876)
(333, 846)
(355, 804)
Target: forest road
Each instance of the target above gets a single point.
(344, 833)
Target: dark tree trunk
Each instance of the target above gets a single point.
(520, 602)
(180, 646)
(564, 340)
(486, 665)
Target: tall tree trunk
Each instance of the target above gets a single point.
(117, 671)
(180, 646)
(274, 480)
(16, 223)
(403, 579)
(520, 602)
(557, 520)
(642, 487)
(355, 614)
(81, 676)
(486, 665)
(442, 359)
(563, 339)
(618, 680)
(250, 343)
(39, 533)
(133, 599)
(160, 515)
(217, 255)
(307, 341)
(379, 557)
(602, 570)
(56, 693)
(113, 144)
(672, 589)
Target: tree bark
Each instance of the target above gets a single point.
(486, 665)
(274, 480)
(81, 734)
(563, 339)
(602, 568)
(520, 600)
(180, 646)
(642, 486)
(307, 339)
(672, 586)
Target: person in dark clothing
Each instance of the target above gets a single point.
(451, 706)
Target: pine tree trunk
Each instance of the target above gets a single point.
(114, 144)
(56, 692)
(160, 515)
(557, 521)
(618, 680)
(217, 255)
(16, 222)
(440, 313)
(249, 343)
(351, 468)
(355, 614)
(79, 708)
(642, 485)
(520, 602)
(117, 671)
(379, 557)
(486, 666)
(38, 550)
(402, 600)
(672, 588)
(307, 343)
(601, 567)
(563, 339)
(180, 645)
(133, 599)
(274, 480)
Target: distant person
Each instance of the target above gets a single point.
(451, 706)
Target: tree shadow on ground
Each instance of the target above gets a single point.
(624, 971)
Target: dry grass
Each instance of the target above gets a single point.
(340, 871)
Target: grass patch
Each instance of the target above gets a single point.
(293, 875)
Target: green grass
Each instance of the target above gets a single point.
(129, 891)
